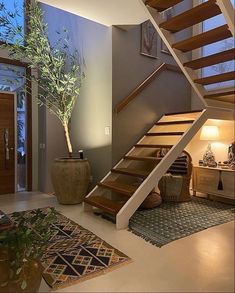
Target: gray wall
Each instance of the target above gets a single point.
(114, 67)
(170, 92)
(93, 111)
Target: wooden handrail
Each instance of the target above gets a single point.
(120, 106)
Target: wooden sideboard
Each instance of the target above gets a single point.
(206, 180)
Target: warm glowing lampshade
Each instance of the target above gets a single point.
(209, 133)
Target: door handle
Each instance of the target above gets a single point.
(6, 138)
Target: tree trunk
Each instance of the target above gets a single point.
(68, 140)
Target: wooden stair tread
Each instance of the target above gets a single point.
(155, 146)
(227, 93)
(131, 172)
(175, 122)
(191, 17)
(203, 39)
(141, 158)
(108, 205)
(164, 133)
(216, 78)
(162, 5)
(188, 112)
(118, 187)
(211, 60)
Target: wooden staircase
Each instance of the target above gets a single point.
(122, 191)
(167, 29)
(126, 186)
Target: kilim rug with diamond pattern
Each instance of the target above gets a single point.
(172, 221)
(75, 254)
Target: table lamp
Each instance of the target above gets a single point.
(209, 133)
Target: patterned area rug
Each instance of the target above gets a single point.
(172, 221)
(75, 254)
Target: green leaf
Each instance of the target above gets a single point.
(23, 285)
(4, 284)
(18, 271)
(11, 274)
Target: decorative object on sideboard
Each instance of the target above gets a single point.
(209, 133)
(149, 39)
(231, 155)
(220, 184)
(200, 162)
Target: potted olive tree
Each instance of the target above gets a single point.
(58, 74)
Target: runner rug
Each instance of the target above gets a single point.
(172, 221)
(75, 254)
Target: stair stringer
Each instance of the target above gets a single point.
(123, 216)
(228, 12)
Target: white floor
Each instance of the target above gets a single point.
(202, 262)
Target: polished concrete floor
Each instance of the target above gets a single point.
(202, 262)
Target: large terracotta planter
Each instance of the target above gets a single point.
(31, 273)
(70, 179)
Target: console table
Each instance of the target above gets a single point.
(206, 180)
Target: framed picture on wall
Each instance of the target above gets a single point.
(166, 15)
(149, 39)
(164, 48)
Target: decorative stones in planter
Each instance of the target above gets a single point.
(70, 179)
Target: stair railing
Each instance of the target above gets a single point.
(126, 101)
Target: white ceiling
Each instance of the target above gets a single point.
(106, 12)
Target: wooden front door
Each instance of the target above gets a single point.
(7, 143)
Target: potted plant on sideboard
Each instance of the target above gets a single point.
(58, 74)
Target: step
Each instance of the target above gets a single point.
(164, 133)
(173, 170)
(153, 146)
(216, 78)
(145, 159)
(162, 5)
(218, 95)
(211, 60)
(107, 205)
(175, 122)
(209, 37)
(179, 113)
(131, 172)
(118, 187)
(191, 17)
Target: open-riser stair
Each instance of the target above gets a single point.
(123, 190)
(168, 30)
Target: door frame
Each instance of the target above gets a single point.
(29, 159)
